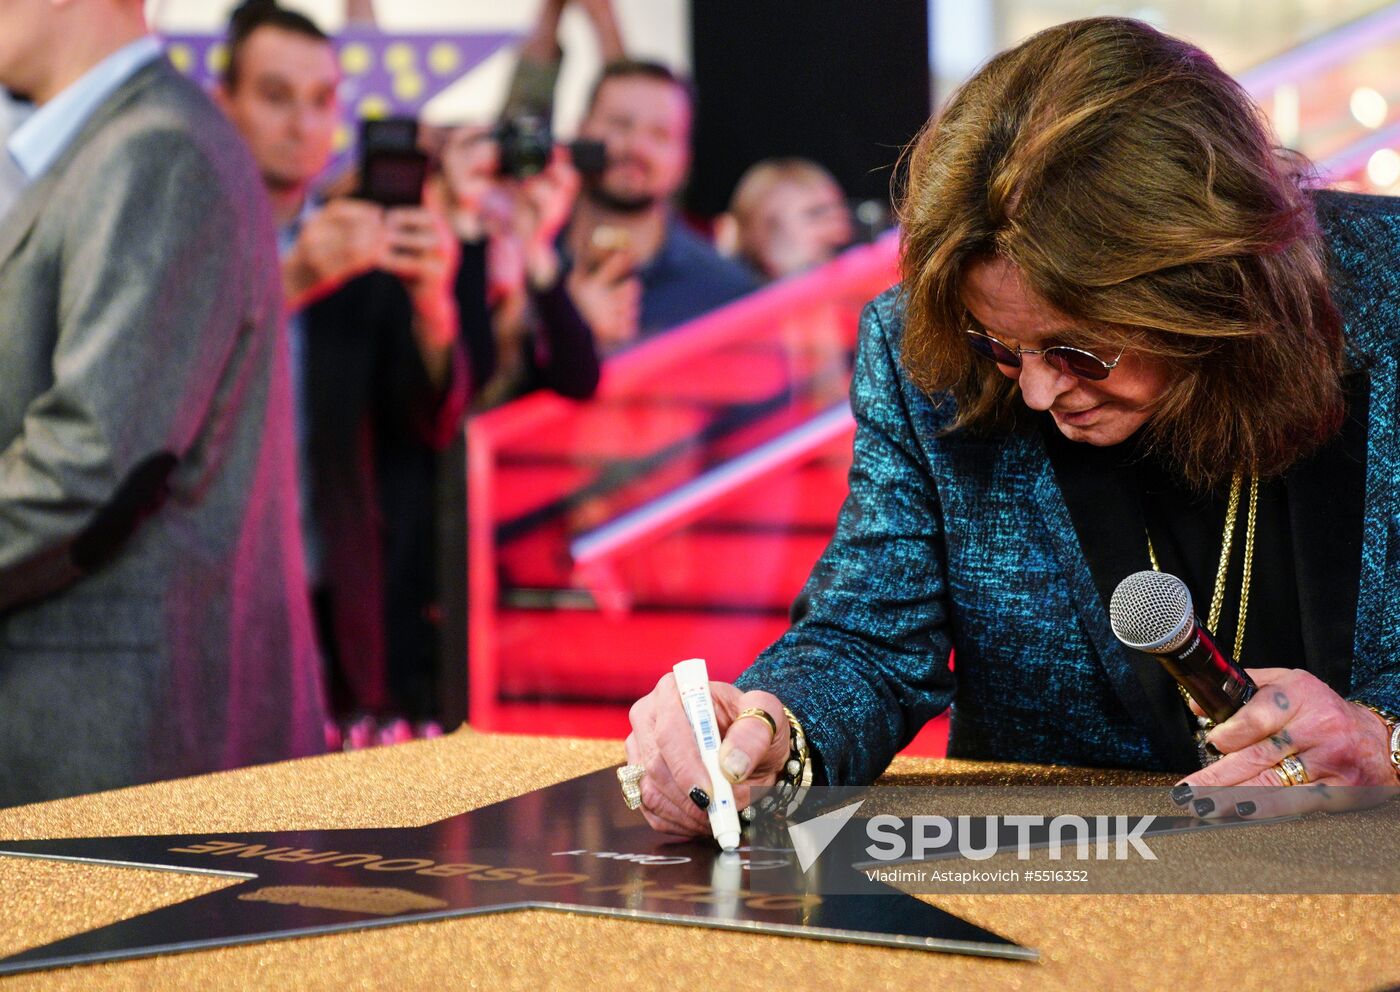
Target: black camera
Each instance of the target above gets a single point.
(525, 145)
(392, 166)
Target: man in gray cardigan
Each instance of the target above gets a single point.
(153, 620)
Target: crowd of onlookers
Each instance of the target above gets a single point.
(510, 275)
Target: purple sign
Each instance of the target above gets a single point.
(383, 74)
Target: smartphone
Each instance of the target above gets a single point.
(393, 168)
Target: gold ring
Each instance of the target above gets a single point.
(759, 713)
(631, 778)
(1291, 771)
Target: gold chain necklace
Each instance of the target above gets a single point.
(1227, 540)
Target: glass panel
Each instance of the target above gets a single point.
(677, 514)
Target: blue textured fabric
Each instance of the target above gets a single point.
(686, 279)
(954, 540)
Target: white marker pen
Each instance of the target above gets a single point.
(693, 683)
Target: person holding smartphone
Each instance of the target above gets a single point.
(373, 332)
(636, 268)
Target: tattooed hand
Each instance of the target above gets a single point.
(1339, 743)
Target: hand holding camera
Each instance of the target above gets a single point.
(512, 182)
(607, 292)
(342, 240)
(476, 205)
(421, 249)
(542, 205)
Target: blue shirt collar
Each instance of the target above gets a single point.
(43, 136)
(288, 233)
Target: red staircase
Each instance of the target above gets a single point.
(675, 515)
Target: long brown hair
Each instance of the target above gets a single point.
(1135, 186)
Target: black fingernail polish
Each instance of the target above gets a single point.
(1245, 808)
(1181, 794)
(700, 797)
(1204, 806)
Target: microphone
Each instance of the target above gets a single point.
(1152, 612)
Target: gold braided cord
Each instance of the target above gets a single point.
(1217, 599)
(1227, 541)
(1248, 563)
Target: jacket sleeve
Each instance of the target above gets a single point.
(1362, 234)
(1376, 666)
(410, 404)
(865, 663)
(478, 338)
(564, 357)
(149, 312)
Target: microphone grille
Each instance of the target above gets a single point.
(1150, 610)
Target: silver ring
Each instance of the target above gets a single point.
(631, 778)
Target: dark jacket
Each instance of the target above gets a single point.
(950, 540)
(558, 353)
(367, 396)
(153, 616)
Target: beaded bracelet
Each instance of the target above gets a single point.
(793, 781)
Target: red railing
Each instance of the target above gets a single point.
(558, 491)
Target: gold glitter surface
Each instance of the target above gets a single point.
(1111, 942)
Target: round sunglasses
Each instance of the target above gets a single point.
(1062, 358)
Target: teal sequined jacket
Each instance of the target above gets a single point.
(955, 541)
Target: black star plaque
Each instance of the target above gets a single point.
(573, 847)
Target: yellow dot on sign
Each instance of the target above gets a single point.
(399, 57)
(216, 59)
(341, 139)
(373, 108)
(408, 85)
(180, 57)
(443, 58)
(355, 58)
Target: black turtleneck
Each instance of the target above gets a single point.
(1307, 544)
